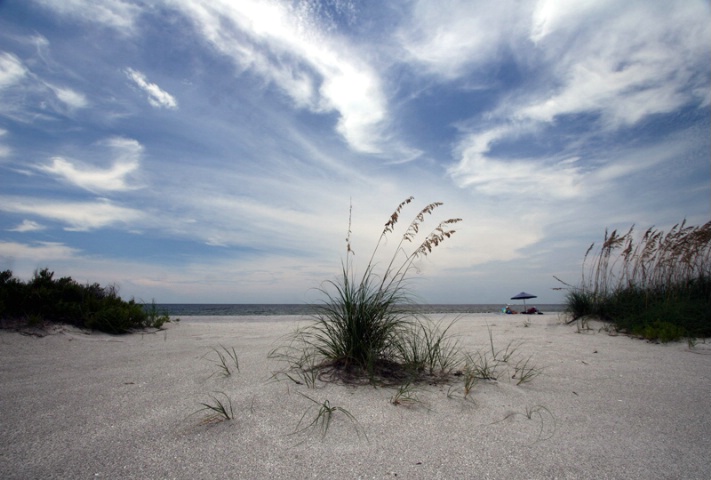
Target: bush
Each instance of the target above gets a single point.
(44, 299)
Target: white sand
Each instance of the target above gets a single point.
(79, 406)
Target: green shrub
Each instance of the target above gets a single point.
(45, 299)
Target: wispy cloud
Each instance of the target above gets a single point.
(451, 38)
(38, 251)
(77, 216)
(69, 97)
(127, 156)
(316, 71)
(11, 70)
(498, 177)
(617, 76)
(22, 91)
(639, 65)
(156, 96)
(4, 149)
(119, 15)
(27, 226)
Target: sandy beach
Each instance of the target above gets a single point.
(77, 405)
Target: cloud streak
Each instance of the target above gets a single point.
(318, 73)
(11, 70)
(41, 251)
(77, 216)
(119, 15)
(28, 226)
(113, 179)
(156, 96)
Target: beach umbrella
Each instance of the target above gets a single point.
(523, 296)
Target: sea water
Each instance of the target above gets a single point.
(268, 309)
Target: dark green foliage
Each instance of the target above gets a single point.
(45, 299)
(658, 287)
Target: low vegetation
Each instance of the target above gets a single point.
(322, 419)
(226, 361)
(46, 299)
(217, 409)
(657, 285)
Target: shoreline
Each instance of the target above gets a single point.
(77, 405)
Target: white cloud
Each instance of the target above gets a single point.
(648, 59)
(11, 70)
(37, 252)
(4, 149)
(127, 153)
(317, 72)
(27, 226)
(69, 97)
(527, 178)
(156, 96)
(26, 88)
(79, 216)
(449, 37)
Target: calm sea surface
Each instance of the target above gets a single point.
(241, 309)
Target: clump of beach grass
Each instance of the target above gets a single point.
(367, 329)
(657, 285)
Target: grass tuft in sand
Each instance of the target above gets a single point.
(367, 330)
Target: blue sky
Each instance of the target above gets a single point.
(210, 150)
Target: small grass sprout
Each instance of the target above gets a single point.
(470, 380)
(217, 409)
(324, 415)
(226, 360)
(405, 396)
(491, 364)
(524, 372)
(479, 366)
(301, 365)
(542, 414)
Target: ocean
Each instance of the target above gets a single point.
(268, 309)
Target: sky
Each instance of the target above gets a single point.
(218, 151)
